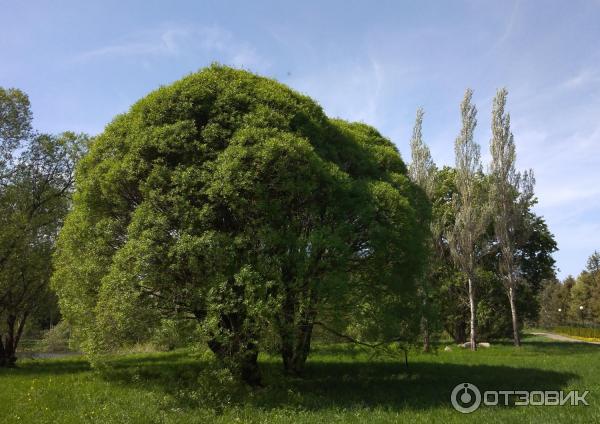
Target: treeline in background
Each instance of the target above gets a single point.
(572, 306)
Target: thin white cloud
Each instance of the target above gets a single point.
(582, 79)
(508, 29)
(180, 41)
(354, 94)
(163, 43)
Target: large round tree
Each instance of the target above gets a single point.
(231, 199)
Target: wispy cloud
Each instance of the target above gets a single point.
(354, 94)
(583, 78)
(179, 41)
(508, 29)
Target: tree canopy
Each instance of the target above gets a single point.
(36, 175)
(231, 199)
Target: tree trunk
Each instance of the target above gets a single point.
(295, 330)
(8, 346)
(473, 308)
(295, 349)
(457, 330)
(426, 338)
(234, 341)
(515, 321)
(249, 370)
(2, 355)
(241, 360)
(238, 353)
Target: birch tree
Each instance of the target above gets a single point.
(511, 195)
(470, 206)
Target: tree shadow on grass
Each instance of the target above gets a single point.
(330, 382)
(537, 344)
(170, 374)
(388, 385)
(35, 367)
(74, 364)
(563, 348)
(337, 385)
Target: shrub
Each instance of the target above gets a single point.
(56, 339)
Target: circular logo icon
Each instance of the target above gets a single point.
(465, 398)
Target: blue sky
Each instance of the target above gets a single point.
(82, 62)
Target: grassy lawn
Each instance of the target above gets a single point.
(343, 384)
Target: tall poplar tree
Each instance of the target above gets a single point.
(470, 206)
(510, 199)
(422, 172)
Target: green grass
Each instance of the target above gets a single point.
(342, 385)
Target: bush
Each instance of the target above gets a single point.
(172, 334)
(56, 339)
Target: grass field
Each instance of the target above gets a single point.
(343, 384)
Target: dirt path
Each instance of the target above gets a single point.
(562, 338)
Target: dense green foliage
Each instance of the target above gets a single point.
(36, 174)
(15, 126)
(229, 199)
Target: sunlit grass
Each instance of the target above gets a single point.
(342, 384)
(581, 333)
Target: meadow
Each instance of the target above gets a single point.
(343, 383)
